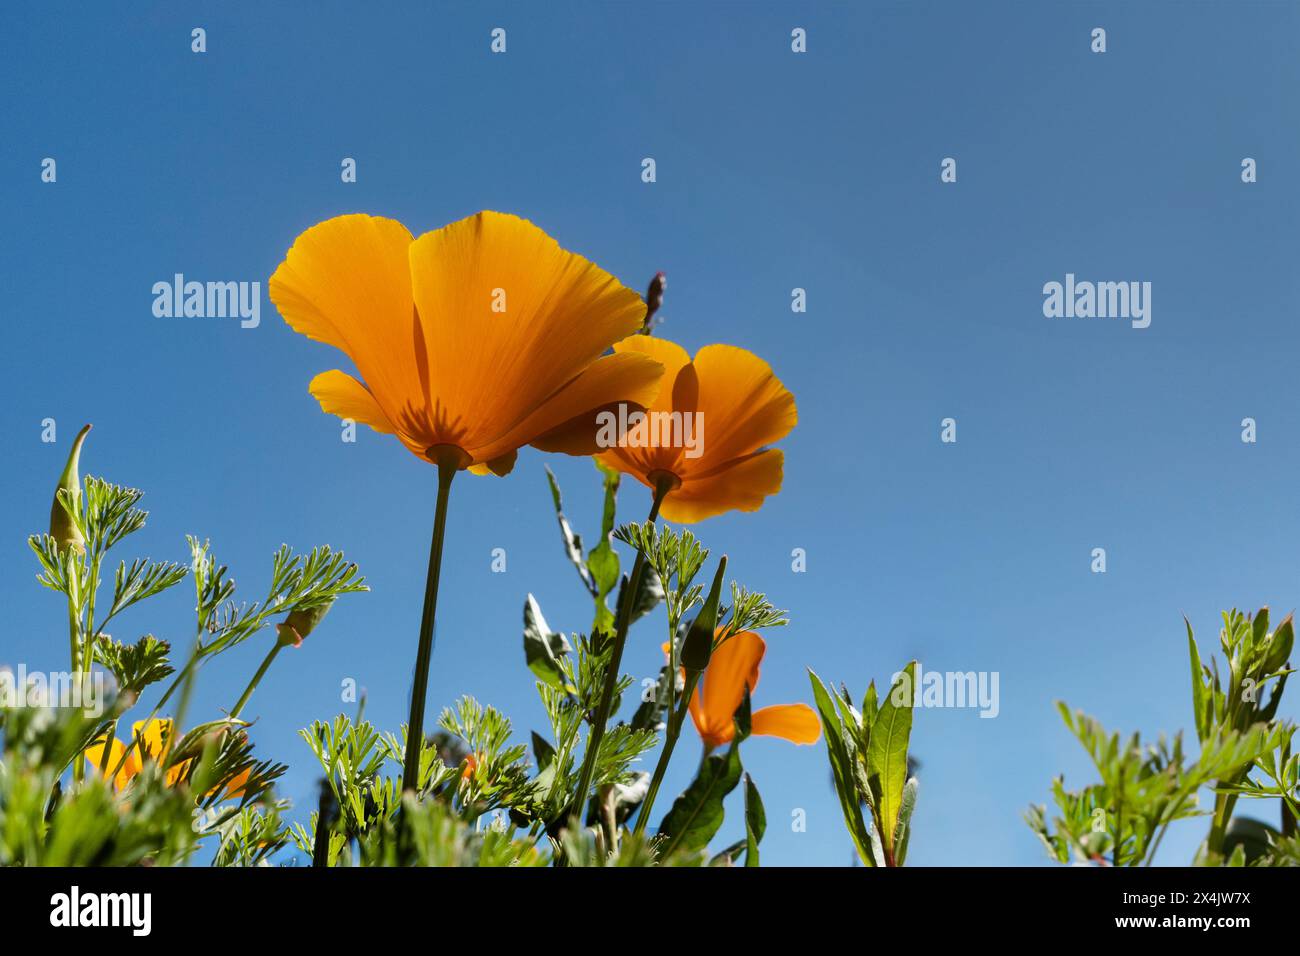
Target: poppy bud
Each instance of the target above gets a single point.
(300, 623)
(654, 298)
(63, 529)
(471, 764)
(697, 646)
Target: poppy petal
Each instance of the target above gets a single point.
(668, 354)
(347, 282)
(797, 723)
(342, 395)
(734, 664)
(740, 485)
(500, 467)
(743, 403)
(509, 318)
(569, 422)
(95, 757)
(155, 735)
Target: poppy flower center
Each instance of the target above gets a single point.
(664, 480)
(452, 455)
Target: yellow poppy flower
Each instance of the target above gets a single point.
(735, 664)
(484, 335)
(730, 405)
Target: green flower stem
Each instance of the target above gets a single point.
(320, 851)
(616, 658)
(1223, 806)
(74, 641)
(424, 653)
(675, 721)
(257, 679)
(88, 648)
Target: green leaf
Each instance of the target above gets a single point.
(572, 541)
(743, 718)
(887, 755)
(1199, 694)
(904, 829)
(134, 666)
(650, 715)
(543, 649)
(755, 821)
(697, 646)
(543, 752)
(1280, 645)
(649, 595)
(602, 562)
(727, 856)
(697, 814)
(842, 769)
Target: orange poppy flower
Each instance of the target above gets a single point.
(483, 335)
(155, 739)
(734, 665)
(235, 789)
(729, 404)
(94, 755)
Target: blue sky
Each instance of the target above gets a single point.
(775, 171)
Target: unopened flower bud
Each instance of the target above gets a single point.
(63, 529)
(295, 628)
(654, 299)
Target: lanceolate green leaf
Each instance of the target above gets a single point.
(887, 754)
(543, 752)
(572, 541)
(1199, 693)
(697, 647)
(755, 821)
(697, 814)
(904, 829)
(842, 769)
(602, 561)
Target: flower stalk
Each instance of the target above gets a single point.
(448, 459)
(257, 679)
(675, 722)
(664, 484)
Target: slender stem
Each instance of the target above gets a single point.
(1219, 827)
(424, 653)
(109, 736)
(257, 679)
(74, 640)
(1119, 821)
(88, 651)
(675, 722)
(612, 670)
(320, 852)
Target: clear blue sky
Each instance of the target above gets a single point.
(774, 171)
